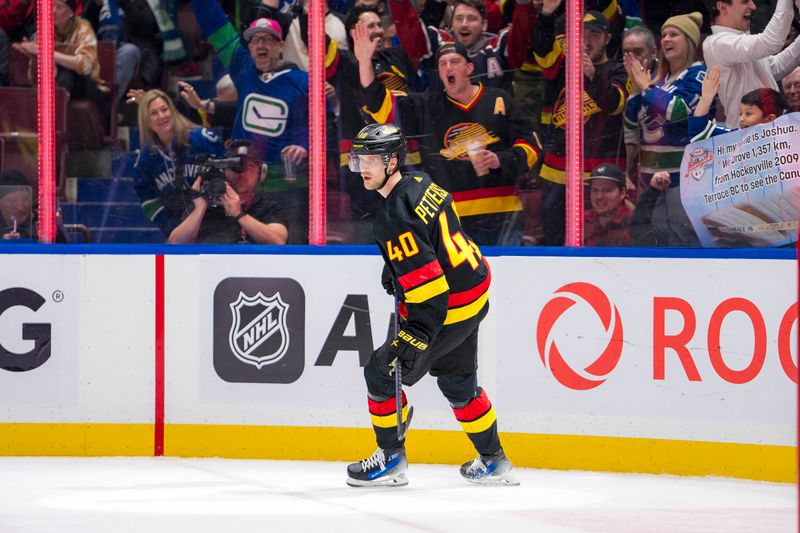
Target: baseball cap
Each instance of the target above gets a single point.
(263, 24)
(453, 48)
(608, 171)
(594, 20)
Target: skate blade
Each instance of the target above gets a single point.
(394, 481)
(507, 479)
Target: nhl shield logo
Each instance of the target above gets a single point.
(259, 335)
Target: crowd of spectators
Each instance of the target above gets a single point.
(477, 85)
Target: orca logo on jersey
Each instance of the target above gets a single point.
(596, 373)
(259, 330)
(459, 138)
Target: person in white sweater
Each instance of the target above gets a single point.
(748, 62)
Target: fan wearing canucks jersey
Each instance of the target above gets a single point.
(661, 108)
(166, 166)
(272, 104)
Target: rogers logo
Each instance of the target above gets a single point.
(595, 373)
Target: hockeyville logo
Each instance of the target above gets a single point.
(595, 373)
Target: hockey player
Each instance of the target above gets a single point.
(442, 281)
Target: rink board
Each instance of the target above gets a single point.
(645, 364)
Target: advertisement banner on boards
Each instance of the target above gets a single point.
(685, 349)
(280, 340)
(742, 189)
(669, 348)
(40, 309)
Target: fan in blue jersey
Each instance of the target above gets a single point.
(661, 108)
(271, 107)
(166, 167)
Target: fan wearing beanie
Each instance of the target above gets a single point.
(748, 62)
(660, 109)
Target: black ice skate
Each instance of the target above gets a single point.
(490, 470)
(384, 468)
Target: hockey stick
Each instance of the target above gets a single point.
(398, 382)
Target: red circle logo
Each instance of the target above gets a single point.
(595, 373)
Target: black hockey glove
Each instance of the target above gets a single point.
(387, 280)
(408, 350)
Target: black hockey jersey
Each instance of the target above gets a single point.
(446, 128)
(442, 273)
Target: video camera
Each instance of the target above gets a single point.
(212, 170)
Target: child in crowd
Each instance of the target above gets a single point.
(759, 106)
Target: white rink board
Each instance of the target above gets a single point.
(100, 310)
(332, 395)
(102, 367)
(630, 403)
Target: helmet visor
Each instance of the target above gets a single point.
(364, 163)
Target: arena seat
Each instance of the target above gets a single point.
(19, 127)
(18, 64)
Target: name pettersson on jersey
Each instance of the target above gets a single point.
(259, 332)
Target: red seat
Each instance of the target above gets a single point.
(18, 131)
(18, 64)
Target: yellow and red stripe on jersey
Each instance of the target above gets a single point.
(384, 414)
(477, 416)
(424, 283)
(622, 96)
(612, 11)
(413, 155)
(466, 304)
(552, 59)
(553, 168)
(385, 114)
(469, 105)
(486, 201)
(530, 65)
(331, 59)
(531, 151)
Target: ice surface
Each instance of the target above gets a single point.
(160, 495)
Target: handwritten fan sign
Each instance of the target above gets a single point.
(742, 189)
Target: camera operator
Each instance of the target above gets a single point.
(240, 214)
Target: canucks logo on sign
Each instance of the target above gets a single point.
(259, 330)
(258, 334)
